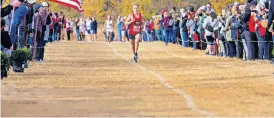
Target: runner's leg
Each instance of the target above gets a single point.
(132, 41)
(137, 40)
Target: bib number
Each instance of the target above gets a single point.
(136, 28)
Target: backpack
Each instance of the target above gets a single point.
(209, 27)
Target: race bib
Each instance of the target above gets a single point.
(137, 27)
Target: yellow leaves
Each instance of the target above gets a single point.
(218, 5)
(94, 8)
(102, 8)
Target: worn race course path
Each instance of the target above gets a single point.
(99, 79)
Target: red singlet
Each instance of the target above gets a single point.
(135, 26)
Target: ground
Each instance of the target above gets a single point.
(100, 79)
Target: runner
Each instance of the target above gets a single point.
(135, 22)
(88, 30)
(109, 28)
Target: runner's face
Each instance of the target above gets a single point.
(135, 8)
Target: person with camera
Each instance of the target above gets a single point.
(248, 20)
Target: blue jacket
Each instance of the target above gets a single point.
(235, 25)
(120, 25)
(19, 14)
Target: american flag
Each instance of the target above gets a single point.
(75, 4)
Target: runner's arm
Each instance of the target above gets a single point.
(129, 20)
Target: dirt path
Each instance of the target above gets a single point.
(98, 79)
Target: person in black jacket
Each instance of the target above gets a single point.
(5, 38)
(270, 21)
(247, 34)
(184, 31)
(93, 28)
(7, 10)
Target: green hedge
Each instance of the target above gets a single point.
(4, 63)
(4, 60)
(27, 51)
(273, 52)
(20, 55)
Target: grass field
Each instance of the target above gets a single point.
(98, 79)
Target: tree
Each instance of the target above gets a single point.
(218, 5)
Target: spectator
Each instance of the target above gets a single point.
(5, 38)
(77, 28)
(191, 29)
(88, 30)
(184, 31)
(7, 10)
(208, 26)
(168, 24)
(93, 28)
(68, 28)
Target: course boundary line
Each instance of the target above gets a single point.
(188, 98)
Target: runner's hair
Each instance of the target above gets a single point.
(136, 5)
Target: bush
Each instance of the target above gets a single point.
(273, 52)
(19, 56)
(27, 51)
(4, 65)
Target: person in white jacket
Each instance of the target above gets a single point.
(209, 34)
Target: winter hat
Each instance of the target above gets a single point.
(31, 1)
(45, 4)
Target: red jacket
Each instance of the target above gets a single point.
(261, 29)
(151, 25)
(54, 21)
(252, 24)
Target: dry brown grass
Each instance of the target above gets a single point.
(88, 79)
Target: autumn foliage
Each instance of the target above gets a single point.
(218, 5)
(101, 8)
